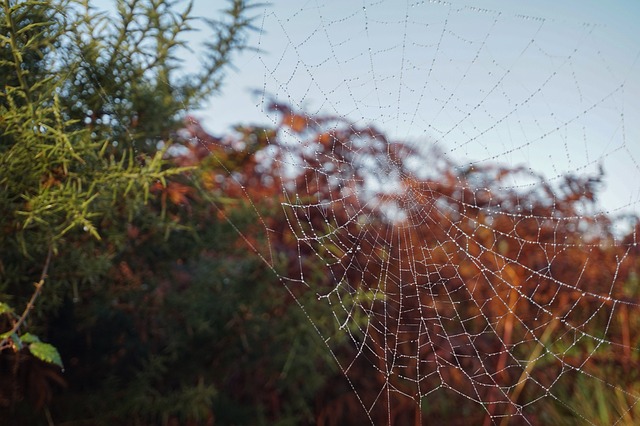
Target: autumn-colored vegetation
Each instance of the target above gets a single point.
(454, 291)
(458, 288)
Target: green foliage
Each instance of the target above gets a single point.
(159, 315)
(128, 85)
(89, 105)
(4, 308)
(45, 352)
(594, 401)
(204, 328)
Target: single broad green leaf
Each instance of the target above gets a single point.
(4, 308)
(46, 352)
(29, 338)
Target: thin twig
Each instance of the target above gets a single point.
(32, 300)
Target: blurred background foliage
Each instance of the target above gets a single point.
(173, 293)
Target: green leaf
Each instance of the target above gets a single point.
(29, 338)
(4, 308)
(46, 352)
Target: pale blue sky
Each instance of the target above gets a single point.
(485, 80)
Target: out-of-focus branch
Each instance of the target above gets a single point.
(30, 305)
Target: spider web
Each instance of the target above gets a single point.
(463, 254)
(468, 261)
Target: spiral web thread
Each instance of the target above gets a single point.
(453, 260)
(467, 262)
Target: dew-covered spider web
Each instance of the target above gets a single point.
(458, 183)
(456, 179)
